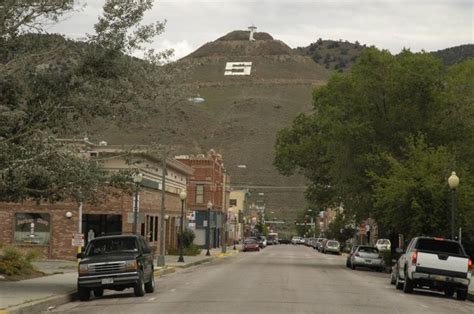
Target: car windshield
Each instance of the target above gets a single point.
(333, 243)
(439, 246)
(110, 246)
(367, 249)
(250, 241)
(383, 241)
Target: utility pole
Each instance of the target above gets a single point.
(161, 257)
(224, 217)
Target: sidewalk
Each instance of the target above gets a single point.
(59, 286)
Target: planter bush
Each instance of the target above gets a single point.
(14, 261)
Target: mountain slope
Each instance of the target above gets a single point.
(456, 54)
(242, 113)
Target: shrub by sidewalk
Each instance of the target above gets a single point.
(191, 250)
(15, 263)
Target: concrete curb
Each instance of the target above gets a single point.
(39, 305)
(186, 265)
(164, 271)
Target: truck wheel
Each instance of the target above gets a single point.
(407, 284)
(150, 285)
(461, 295)
(84, 294)
(98, 292)
(449, 292)
(139, 288)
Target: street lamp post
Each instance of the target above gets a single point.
(136, 179)
(208, 232)
(182, 196)
(453, 182)
(235, 231)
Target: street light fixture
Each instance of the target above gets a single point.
(208, 232)
(137, 179)
(182, 196)
(453, 182)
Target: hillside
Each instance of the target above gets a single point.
(456, 54)
(341, 55)
(242, 113)
(333, 55)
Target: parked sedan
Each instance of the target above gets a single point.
(348, 260)
(262, 242)
(332, 246)
(251, 244)
(321, 244)
(367, 256)
(295, 240)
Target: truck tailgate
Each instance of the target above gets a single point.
(442, 261)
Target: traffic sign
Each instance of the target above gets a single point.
(78, 239)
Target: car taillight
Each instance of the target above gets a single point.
(469, 265)
(414, 257)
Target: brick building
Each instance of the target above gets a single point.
(49, 228)
(207, 184)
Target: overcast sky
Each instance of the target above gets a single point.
(388, 24)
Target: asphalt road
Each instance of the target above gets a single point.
(279, 279)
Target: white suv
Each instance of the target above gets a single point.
(383, 244)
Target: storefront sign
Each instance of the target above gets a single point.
(32, 228)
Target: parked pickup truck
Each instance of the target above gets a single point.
(115, 262)
(436, 264)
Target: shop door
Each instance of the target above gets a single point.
(101, 225)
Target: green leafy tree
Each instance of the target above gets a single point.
(412, 197)
(51, 87)
(372, 112)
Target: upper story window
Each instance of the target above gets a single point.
(233, 202)
(199, 193)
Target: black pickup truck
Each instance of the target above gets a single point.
(115, 262)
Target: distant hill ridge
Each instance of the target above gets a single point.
(342, 55)
(456, 54)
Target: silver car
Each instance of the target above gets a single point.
(367, 256)
(332, 246)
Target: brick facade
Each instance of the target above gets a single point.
(62, 228)
(209, 172)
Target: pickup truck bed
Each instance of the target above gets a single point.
(436, 264)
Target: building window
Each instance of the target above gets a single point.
(233, 202)
(199, 194)
(32, 228)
